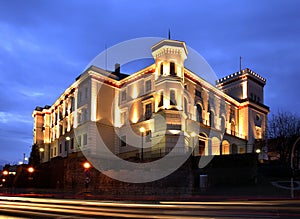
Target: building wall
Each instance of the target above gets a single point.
(165, 99)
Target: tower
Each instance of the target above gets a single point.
(247, 87)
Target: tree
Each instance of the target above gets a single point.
(34, 158)
(283, 129)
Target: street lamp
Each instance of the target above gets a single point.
(86, 165)
(67, 144)
(5, 172)
(30, 169)
(142, 130)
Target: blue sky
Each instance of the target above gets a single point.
(45, 45)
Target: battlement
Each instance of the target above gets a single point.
(244, 72)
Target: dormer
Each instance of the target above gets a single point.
(169, 58)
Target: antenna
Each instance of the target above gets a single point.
(169, 34)
(240, 63)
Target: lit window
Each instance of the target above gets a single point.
(172, 98)
(148, 111)
(258, 132)
(148, 86)
(123, 141)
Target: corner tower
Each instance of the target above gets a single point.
(169, 58)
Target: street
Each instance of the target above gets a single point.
(24, 207)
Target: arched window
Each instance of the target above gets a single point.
(202, 143)
(212, 119)
(225, 147)
(232, 127)
(199, 113)
(172, 69)
(215, 146)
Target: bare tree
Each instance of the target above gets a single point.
(283, 129)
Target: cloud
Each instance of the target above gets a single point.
(6, 117)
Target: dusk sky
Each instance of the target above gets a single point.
(45, 45)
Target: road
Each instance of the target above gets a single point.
(23, 207)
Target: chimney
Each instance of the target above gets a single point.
(117, 69)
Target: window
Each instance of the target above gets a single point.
(161, 69)
(199, 113)
(79, 141)
(60, 148)
(84, 115)
(79, 96)
(212, 119)
(86, 93)
(198, 94)
(172, 98)
(232, 127)
(84, 139)
(123, 95)
(202, 143)
(148, 136)
(123, 141)
(72, 143)
(172, 69)
(185, 106)
(161, 101)
(234, 149)
(79, 117)
(148, 111)
(223, 124)
(148, 86)
(72, 104)
(66, 145)
(258, 132)
(123, 118)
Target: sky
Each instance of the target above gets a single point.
(45, 45)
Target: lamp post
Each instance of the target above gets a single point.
(193, 135)
(86, 165)
(142, 130)
(67, 145)
(292, 167)
(41, 150)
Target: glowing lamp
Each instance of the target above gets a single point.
(30, 169)
(86, 165)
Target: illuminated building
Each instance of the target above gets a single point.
(166, 99)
